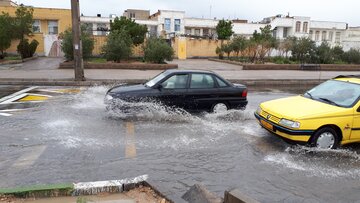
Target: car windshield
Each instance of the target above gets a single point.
(156, 79)
(338, 93)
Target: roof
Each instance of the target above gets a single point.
(349, 78)
(188, 71)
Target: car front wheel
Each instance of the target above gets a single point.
(325, 138)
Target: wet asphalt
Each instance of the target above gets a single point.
(71, 138)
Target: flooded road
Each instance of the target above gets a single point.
(71, 138)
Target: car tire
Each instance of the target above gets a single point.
(219, 107)
(325, 138)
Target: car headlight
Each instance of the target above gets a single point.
(108, 97)
(289, 123)
(258, 110)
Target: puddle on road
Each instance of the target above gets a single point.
(317, 162)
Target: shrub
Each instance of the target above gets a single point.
(67, 44)
(352, 56)
(219, 52)
(156, 50)
(27, 50)
(118, 46)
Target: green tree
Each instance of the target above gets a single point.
(238, 45)
(23, 22)
(303, 49)
(224, 29)
(135, 31)
(264, 41)
(156, 50)
(118, 46)
(5, 33)
(352, 56)
(67, 44)
(26, 49)
(220, 52)
(338, 53)
(227, 48)
(324, 54)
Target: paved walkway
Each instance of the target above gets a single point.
(46, 68)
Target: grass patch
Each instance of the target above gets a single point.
(96, 60)
(40, 190)
(12, 58)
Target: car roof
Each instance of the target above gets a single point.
(349, 78)
(188, 71)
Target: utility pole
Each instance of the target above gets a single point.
(77, 44)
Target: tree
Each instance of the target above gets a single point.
(26, 49)
(220, 52)
(5, 33)
(224, 30)
(324, 54)
(264, 42)
(118, 46)
(227, 48)
(67, 44)
(238, 45)
(135, 31)
(156, 50)
(338, 53)
(23, 22)
(303, 49)
(352, 56)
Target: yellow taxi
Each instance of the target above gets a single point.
(326, 116)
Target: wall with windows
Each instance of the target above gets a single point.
(47, 21)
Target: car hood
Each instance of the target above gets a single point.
(131, 89)
(299, 107)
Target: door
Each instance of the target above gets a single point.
(355, 130)
(202, 92)
(182, 48)
(173, 90)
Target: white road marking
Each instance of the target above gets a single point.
(17, 93)
(5, 114)
(29, 158)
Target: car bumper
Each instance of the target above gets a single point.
(301, 136)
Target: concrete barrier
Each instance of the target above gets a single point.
(199, 194)
(236, 196)
(110, 65)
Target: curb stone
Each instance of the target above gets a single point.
(79, 189)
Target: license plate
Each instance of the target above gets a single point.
(266, 125)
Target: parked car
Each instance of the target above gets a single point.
(326, 116)
(191, 90)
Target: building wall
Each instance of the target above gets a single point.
(63, 16)
(100, 41)
(197, 47)
(139, 14)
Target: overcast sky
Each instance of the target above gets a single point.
(252, 10)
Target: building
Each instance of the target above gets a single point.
(48, 24)
(137, 14)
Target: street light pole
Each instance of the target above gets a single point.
(77, 44)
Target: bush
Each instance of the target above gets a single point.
(27, 50)
(118, 46)
(352, 56)
(156, 50)
(67, 44)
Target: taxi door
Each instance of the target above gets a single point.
(355, 130)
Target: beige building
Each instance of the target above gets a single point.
(137, 14)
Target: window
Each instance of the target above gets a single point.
(285, 33)
(175, 82)
(305, 26)
(167, 24)
(317, 35)
(53, 27)
(36, 26)
(101, 28)
(323, 36)
(220, 82)
(132, 15)
(337, 37)
(201, 81)
(177, 25)
(188, 31)
(298, 25)
(197, 32)
(206, 32)
(311, 33)
(331, 36)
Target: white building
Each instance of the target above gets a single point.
(169, 24)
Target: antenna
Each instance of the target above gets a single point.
(210, 10)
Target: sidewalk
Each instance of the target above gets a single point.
(228, 71)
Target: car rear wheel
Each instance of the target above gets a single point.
(325, 138)
(219, 108)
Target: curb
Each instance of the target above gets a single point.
(18, 61)
(78, 189)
